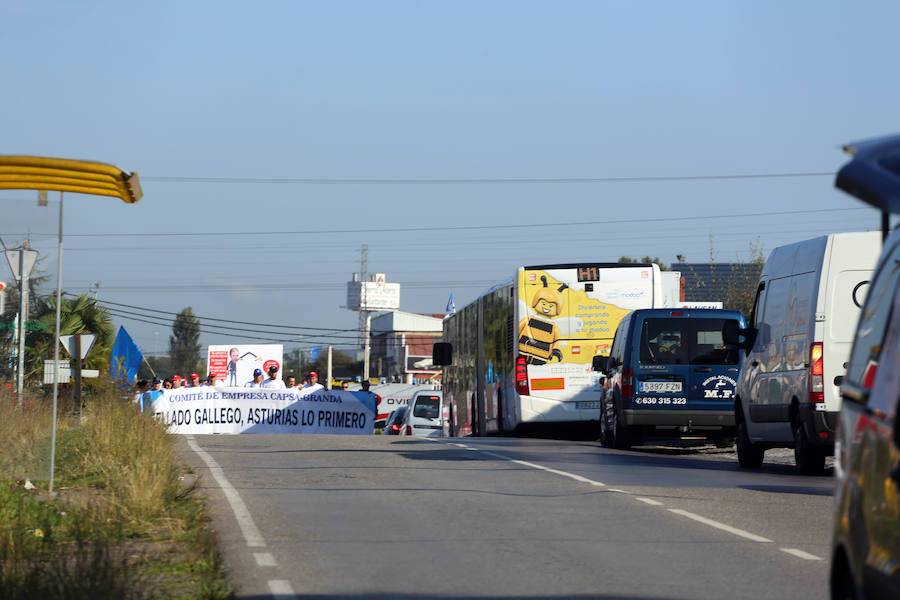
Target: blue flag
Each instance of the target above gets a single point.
(126, 357)
(451, 305)
(314, 352)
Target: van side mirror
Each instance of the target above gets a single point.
(442, 354)
(600, 364)
(731, 335)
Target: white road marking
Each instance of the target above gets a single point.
(251, 533)
(281, 589)
(722, 526)
(543, 468)
(649, 501)
(264, 559)
(801, 554)
(618, 491)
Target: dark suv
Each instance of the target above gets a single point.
(865, 560)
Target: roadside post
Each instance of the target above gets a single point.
(78, 347)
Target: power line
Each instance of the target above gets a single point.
(477, 180)
(468, 227)
(199, 318)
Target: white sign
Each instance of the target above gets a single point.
(373, 295)
(234, 364)
(206, 410)
(87, 342)
(700, 305)
(50, 371)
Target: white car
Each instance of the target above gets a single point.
(423, 419)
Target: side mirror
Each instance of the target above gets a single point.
(600, 364)
(442, 354)
(731, 335)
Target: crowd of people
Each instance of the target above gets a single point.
(144, 389)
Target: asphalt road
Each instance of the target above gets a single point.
(387, 517)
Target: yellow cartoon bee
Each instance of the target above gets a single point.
(539, 337)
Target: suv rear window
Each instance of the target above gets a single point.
(427, 407)
(685, 341)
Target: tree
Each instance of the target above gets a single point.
(626, 260)
(184, 344)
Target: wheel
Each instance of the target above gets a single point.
(843, 586)
(606, 436)
(809, 458)
(621, 436)
(750, 456)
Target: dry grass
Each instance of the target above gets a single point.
(118, 525)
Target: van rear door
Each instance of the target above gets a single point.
(713, 366)
(662, 375)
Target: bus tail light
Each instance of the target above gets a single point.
(816, 374)
(627, 383)
(521, 376)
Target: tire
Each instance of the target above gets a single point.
(843, 586)
(750, 456)
(621, 436)
(810, 459)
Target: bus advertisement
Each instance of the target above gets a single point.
(522, 351)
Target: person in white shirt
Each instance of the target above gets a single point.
(273, 381)
(257, 378)
(313, 384)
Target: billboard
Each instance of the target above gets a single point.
(233, 364)
(376, 294)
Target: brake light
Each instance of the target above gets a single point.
(409, 430)
(627, 383)
(677, 314)
(395, 427)
(521, 376)
(816, 371)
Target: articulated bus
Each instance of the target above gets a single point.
(521, 353)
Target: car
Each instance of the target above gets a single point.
(801, 327)
(669, 375)
(423, 419)
(394, 422)
(865, 549)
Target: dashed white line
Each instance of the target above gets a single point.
(251, 533)
(801, 554)
(264, 559)
(649, 501)
(543, 468)
(281, 589)
(732, 530)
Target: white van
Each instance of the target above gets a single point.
(797, 346)
(424, 416)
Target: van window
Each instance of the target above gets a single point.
(708, 347)
(685, 341)
(874, 317)
(427, 407)
(663, 342)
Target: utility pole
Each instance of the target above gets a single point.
(363, 312)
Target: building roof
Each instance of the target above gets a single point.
(717, 282)
(406, 322)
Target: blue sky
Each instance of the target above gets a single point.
(274, 91)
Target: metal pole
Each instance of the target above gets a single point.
(76, 405)
(23, 304)
(56, 340)
(367, 346)
(328, 382)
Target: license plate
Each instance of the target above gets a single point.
(591, 404)
(660, 387)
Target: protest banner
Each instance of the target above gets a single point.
(207, 409)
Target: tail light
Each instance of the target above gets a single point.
(816, 374)
(395, 427)
(409, 430)
(521, 376)
(627, 383)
